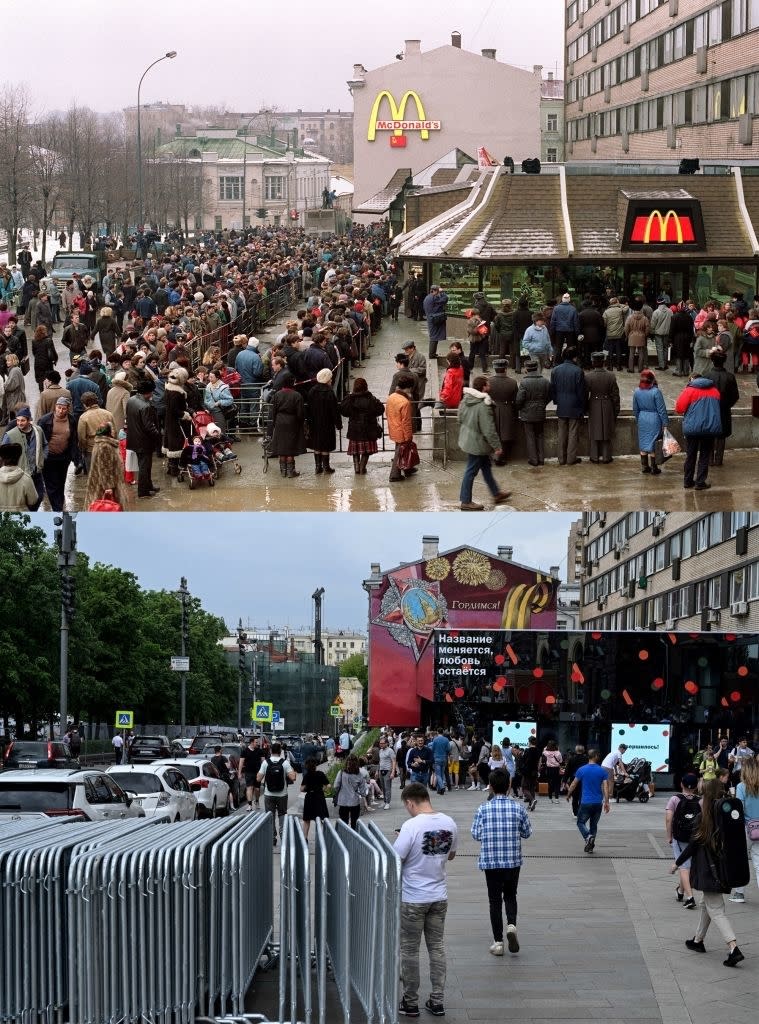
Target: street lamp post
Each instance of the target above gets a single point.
(140, 212)
(184, 595)
(245, 168)
(65, 537)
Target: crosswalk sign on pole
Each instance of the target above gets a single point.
(125, 719)
(335, 710)
(262, 711)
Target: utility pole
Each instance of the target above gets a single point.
(184, 596)
(242, 639)
(65, 538)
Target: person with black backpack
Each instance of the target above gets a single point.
(276, 773)
(679, 816)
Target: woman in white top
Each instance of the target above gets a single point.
(553, 761)
(496, 760)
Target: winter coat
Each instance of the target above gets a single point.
(651, 416)
(533, 395)
(569, 390)
(15, 391)
(362, 410)
(106, 472)
(592, 328)
(727, 386)
(681, 334)
(17, 491)
(78, 386)
(522, 320)
(699, 406)
(218, 397)
(288, 413)
(564, 319)
(417, 365)
(324, 418)
(175, 406)
(701, 347)
(503, 394)
(614, 318)
(399, 421)
(477, 433)
(503, 328)
(45, 357)
(89, 423)
(75, 338)
(116, 402)
(661, 321)
(30, 462)
(48, 398)
(45, 423)
(537, 343)
(108, 331)
(637, 329)
(452, 387)
(603, 403)
(434, 307)
(250, 366)
(142, 428)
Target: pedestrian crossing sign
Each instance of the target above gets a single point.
(262, 711)
(125, 719)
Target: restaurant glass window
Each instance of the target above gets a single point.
(713, 281)
(460, 281)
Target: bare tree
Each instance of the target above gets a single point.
(46, 167)
(15, 162)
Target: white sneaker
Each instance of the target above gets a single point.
(497, 949)
(737, 897)
(511, 938)
(386, 807)
(471, 788)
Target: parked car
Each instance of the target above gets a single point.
(299, 751)
(211, 792)
(38, 754)
(161, 790)
(144, 749)
(180, 747)
(205, 739)
(85, 793)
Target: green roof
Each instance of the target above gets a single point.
(227, 149)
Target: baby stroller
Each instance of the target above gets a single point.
(636, 784)
(203, 463)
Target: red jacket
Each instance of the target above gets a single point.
(452, 387)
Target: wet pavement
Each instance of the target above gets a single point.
(435, 487)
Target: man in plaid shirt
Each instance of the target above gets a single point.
(500, 825)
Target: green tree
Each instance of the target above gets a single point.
(356, 666)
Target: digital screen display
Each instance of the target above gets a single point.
(650, 741)
(517, 732)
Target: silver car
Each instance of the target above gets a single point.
(86, 793)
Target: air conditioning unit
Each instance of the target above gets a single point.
(595, 563)
(584, 531)
(739, 608)
(669, 625)
(602, 602)
(712, 616)
(659, 520)
(602, 519)
(617, 551)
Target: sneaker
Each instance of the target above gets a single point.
(386, 807)
(497, 949)
(589, 844)
(737, 897)
(679, 893)
(534, 804)
(511, 938)
(689, 904)
(697, 945)
(438, 1010)
(471, 788)
(407, 1009)
(734, 957)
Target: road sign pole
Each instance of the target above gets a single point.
(183, 596)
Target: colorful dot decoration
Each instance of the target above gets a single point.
(743, 671)
(459, 691)
(538, 673)
(657, 684)
(691, 687)
(643, 655)
(735, 696)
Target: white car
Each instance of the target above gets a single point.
(88, 794)
(211, 791)
(160, 789)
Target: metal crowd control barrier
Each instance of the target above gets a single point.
(333, 916)
(295, 922)
(388, 923)
(106, 922)
(364, 881)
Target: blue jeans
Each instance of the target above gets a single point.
(477, 464)
(588, 814)
(439, 771)
(423, 777)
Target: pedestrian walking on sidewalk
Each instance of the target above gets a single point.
(594, 783)
(679, 817)
(747, 792)
(651, 418)
(478, 438)
(425, 844)
(276, 773)
(717, 852)
(387, 770)
(500, 824)
(530, 768)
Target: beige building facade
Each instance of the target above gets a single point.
(418, 109)
(552, 120)
(662, 79)
(670, 571)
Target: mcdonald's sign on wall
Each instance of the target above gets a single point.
(665, 223)
(398, 123)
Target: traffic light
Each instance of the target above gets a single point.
(241, 649)
(186, 634)
(68, 595)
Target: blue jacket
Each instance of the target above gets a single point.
(77, 386)
(651, 415)
(565, 318)
(569, 391)
(250, 366)
(537, 341)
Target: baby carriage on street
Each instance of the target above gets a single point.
(205, 453)
(635, 783)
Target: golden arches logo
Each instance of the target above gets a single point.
(523, 600)
(663, 222)
(398, 122)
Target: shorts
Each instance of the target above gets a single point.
(252, 781)
(677, 849)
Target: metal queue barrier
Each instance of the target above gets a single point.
(123, 922)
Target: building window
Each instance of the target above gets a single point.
(552, 155)
(230, 187)
(738, 585)
(274, 186)
(702, 534)
(552, 122)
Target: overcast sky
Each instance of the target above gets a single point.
(242, 53)
(265, 567)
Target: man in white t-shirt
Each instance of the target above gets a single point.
(276, 772)
(427, 841)
(614, 764)
(118, 746)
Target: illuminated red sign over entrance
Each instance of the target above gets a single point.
(667, 224)
(669, 228)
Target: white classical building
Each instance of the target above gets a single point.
(262, 178)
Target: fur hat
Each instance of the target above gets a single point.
(178, 376)
(324, 376)
(253, 342)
